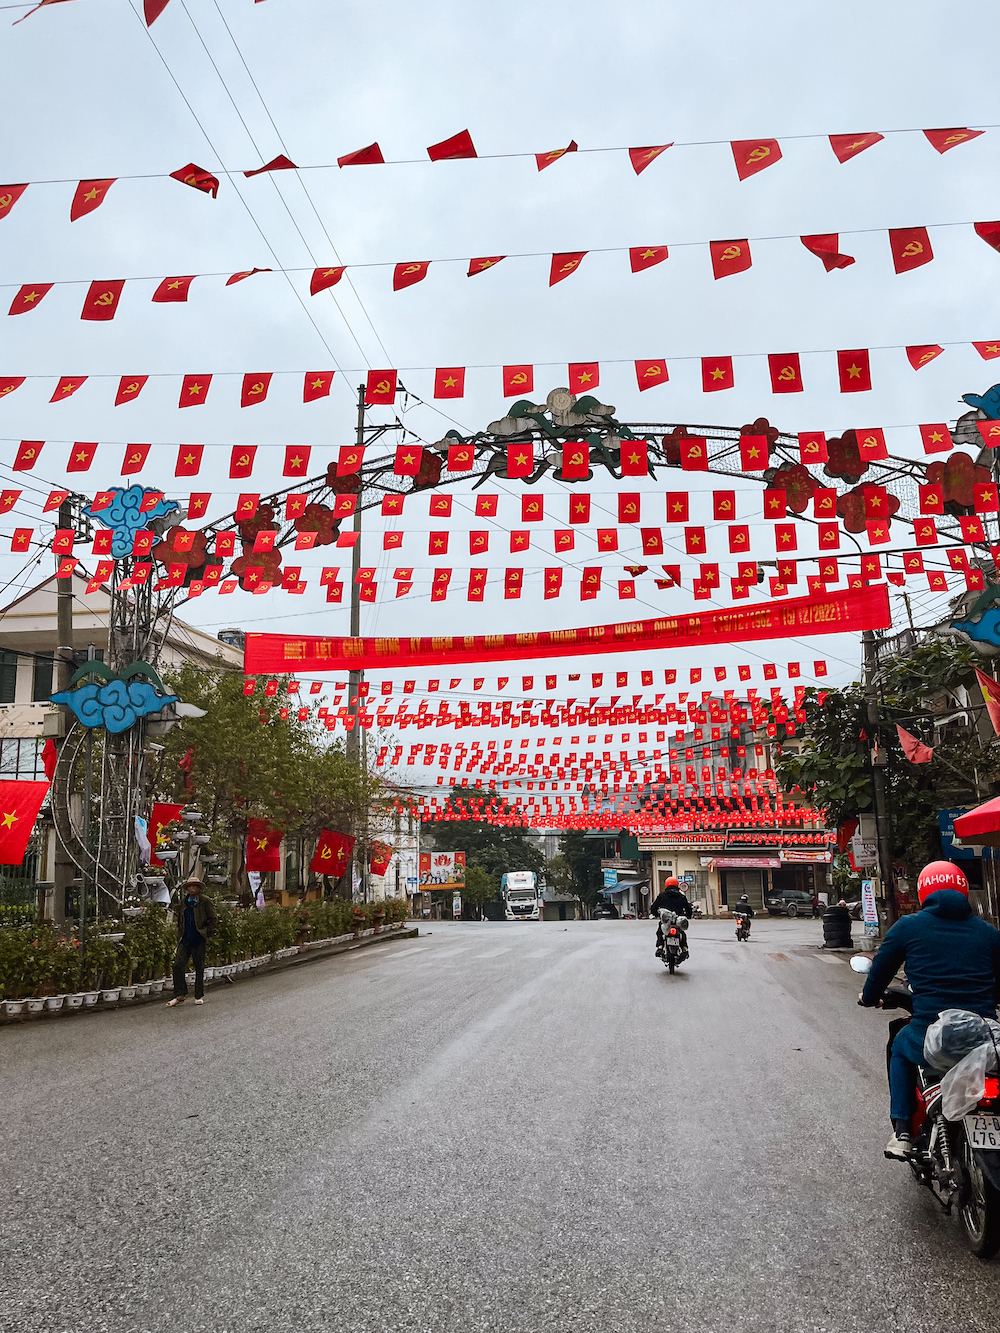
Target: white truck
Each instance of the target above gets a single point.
(520, 895)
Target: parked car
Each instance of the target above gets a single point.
(789, 902)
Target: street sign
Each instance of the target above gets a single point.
(869, 907)
(456, 905)
(610, 878)
(864, 853)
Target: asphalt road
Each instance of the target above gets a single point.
(524, 1128)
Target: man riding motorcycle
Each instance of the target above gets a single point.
(673, 899)
(952, 960)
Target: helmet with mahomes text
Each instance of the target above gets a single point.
(941, 875)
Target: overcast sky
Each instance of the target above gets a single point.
(89, 93)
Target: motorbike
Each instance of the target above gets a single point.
(957, 1161)
(673, 929)
(742, 926)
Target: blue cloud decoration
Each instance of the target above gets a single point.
(117, 702)
(122, 516)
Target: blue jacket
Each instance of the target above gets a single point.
(952, 960)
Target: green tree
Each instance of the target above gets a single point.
(496, 848)
(582, 858)
(834, 772)
(480, 888)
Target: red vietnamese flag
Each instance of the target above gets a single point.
(989, 351)
(518, 379)
(943, 140)
(198, 504)
(323, 278)
(407, 463)
(279, 163)
(173, 289)
(362, 157)
(66, 387)
(405, 275)
(775, 503)
(812, 446)
(9, 195)
(855, 371)
(785, 537)
(21, 539)
(544, 160)
(255, 388)
(129, 387)
(241, 460)
(753, 453)
(650, 373)
(984, 498)
(194, 390)
(520, 459)
(349, 459)
(460, 145)
(81, 456)
(584, 376)
(477, 585)
(263, 846)
(316, 385)
(846, 146)
(716, 373)
(449, 382)
(786, 373)
(826, 248)
(753, 155)
(296, 460)
(565, 264)
(645, 256)
(916, 751)
(482, 264)
(634, 458)
(245, 273)
(381, 388)
(936, 438)
(188, 460)
(102, 300)
(988, 686)
(607, 539)
(918, 357)
(89, 195)
(486, 506)
(29, 297)
(972, 528)
(694, 541)
(729, 257)
(911, 248)
(8, 499)
(575, 461)
(641, 157)
(579, 509)
(694, 454)
(19, 806)
(871, 444)
(27, 455)
(198, 179)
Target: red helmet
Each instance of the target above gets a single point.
(671, 882)
(941, 875)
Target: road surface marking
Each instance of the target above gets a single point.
(493, 953)
(780, 957)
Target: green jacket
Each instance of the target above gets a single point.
(204, 915)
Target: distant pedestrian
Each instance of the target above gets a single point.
(816, 904)
(195, 926)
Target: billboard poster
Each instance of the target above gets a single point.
(442, 870)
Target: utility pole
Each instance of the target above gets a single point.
(62, 669)
(878, 778)
(357, 753)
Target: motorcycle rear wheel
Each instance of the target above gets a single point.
(980, 1216)
(671, 964)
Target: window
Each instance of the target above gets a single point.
(42, 684)
(8, 676)
(22, 760)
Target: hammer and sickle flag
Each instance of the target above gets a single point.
(102, 300)
(198, 179)
(944, 140)
(565, 264)
(729, 257)
(9, 195)
(129, 387)
(9, 383)
(241, 460)
(786, 373)
(135, 458)
(919, 357)
(333, 854)
(911, 248)
(380, 388)
(349, 459)
(255, 388)
(518, 380)
(812, 446)
(575, 460)
(405, 275)
(753, 155)
(649, 374)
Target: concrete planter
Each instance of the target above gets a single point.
(111, 996)
(54, 1002)
(128, 992)
(13, 1008)
(74, 1001)
(35, 1006)
(90, 998)
(143, 990)
(156, 987)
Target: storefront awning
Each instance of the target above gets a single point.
(981, 825)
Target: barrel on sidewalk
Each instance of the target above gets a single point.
(837, 928)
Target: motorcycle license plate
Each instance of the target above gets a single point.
(983, 1130)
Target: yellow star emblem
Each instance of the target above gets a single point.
(9, 819)
(854, 372)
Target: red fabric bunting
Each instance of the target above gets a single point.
(129, 387)
(544, 160)
(323, 278)
(716, 373)
(241, 460)
(188, 460)
(520, 459)
(362, 157)
(855, 371)
(194, 390)
(730, 257)
(642, 257)
(9, 195)
(786, 373)
(650, 373)
(565, 264)
(584, 376)
(482, 264)
(517, 380)
(317, 385)
(641, 157)
(911, 248)
(812, 446)
(458, 146)
(173, 289)
(826, 247)
(918, 357)
(991, 350)
(944, 140)
(296, 460)
(279, 163)
(380, 388)
(405, 275)
(198, 178)
(753, 155)
(67, 386)
(255, 388)
(846, 146)
(449, 382)
(135, 459)
(29, 297)
(89, 195)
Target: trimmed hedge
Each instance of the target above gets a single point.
(36, 960)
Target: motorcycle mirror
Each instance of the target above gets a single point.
(861, 963)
